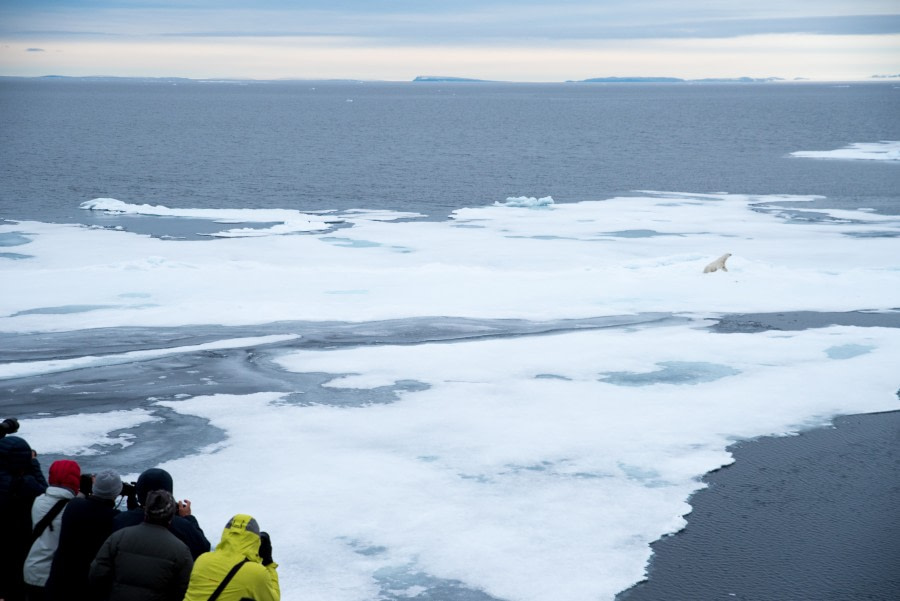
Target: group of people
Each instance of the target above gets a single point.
(64, 537)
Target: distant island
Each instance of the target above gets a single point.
(630, 79)
(426, 79)
(116, 78)
(676, 80)
(439, 78)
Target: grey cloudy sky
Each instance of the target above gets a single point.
(525, 40)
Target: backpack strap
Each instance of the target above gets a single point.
(47, 519)
(227, 579)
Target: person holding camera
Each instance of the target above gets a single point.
(21, 481)
(183, 525)
(9, 426)
(86, 524)
(241, 566)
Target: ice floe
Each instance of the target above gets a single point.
(888, 150)
(525, 467)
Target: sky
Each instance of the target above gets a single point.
(505, 40)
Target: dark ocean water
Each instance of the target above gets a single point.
(807, 518)
(429, 147)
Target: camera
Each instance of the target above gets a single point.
(129, 491)
(86, 484)
(9, 426)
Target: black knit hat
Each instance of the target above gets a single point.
(160, 507)
(153, 479)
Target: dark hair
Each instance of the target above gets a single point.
(160, 507)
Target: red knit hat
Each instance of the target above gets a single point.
(65, 473)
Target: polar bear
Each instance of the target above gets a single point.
(717, 264)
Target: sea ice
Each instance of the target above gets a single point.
(503, 464)
(863, 151)
(518, 263)
(527, 201)
(84, 435)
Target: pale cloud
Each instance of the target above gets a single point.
(787, 56)
(525, 40)
(460, 24)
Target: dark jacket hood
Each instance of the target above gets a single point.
(15, 454)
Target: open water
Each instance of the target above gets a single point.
(428, 147)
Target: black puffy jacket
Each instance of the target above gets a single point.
(142, 563)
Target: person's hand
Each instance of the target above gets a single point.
(184, 508)
(265, 548)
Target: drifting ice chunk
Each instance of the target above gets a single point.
(528, 202)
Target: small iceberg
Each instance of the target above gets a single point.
(528, 202)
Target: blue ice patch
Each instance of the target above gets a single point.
(349, 242)
(403, 583)
(672, 372)
(13, 239)
(62, 310)
(873, 234)
(638, 234)
(848, 351)
(648, 477)
(15, 256)
(542, 237)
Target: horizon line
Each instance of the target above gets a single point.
(425, 79)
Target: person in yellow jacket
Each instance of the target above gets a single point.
(245, 554)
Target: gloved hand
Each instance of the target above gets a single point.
(265, 548)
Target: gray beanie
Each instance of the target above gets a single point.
(107, 485)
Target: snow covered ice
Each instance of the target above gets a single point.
(510, 465)
(863, 151)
